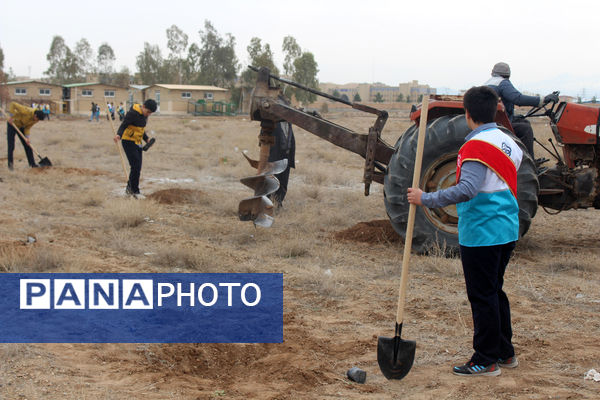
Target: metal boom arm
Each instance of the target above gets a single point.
(269, 105)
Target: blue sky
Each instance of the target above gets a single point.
(550, 45)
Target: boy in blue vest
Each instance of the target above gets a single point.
(488, 228)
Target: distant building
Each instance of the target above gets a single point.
(78, 97)
(176, 99)
(137, 94)
(368, 91)
(28, 92)
(413, 90)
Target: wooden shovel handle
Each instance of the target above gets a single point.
(21, 134)
(118, 147)
(412, 210)
(25, 138)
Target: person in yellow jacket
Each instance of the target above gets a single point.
(23, 118)
(131, 133)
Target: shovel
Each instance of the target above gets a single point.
(44, 161)
(396, 355)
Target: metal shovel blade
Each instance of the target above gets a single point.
(395, 356)
(45, 162)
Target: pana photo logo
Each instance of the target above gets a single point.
(105, 294)
(141, 308)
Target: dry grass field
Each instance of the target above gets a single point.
(341, 273)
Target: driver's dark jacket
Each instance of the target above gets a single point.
(510, 95)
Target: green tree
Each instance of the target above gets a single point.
(420, 98)
(356, 98)
(106, 59)
(191, 66)
(121, 78)
(216, 59)
(63, 64)
(55, 57)
(292, 51)
(305, 73)
(336, 93)
(259, 56)
(149, 64)
(85, 55)
(400, 98)
(177, 42)
(378, 98)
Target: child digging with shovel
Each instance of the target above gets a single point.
(23, 118)
(131, 132)
(488, 227)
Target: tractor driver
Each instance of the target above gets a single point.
(510, 97)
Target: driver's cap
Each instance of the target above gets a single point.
(501, 69)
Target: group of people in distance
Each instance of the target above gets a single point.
(131, 133)
(95, 111)
(44, 107)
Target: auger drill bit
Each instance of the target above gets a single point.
(259, 208)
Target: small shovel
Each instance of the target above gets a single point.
(395, 355)
(44, 161)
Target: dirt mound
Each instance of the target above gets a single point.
(377, 231)
(173, 196)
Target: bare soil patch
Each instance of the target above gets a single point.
(177, 196)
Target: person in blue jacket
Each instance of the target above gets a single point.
(510, 96)
(488, 227)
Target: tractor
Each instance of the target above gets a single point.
(571, 183)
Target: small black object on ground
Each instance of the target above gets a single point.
(357, 375)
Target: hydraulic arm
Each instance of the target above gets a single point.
(269, 106)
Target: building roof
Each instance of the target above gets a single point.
(190, 87)
(140, 87)
(31, 81)
(72, 85)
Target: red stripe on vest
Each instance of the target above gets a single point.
(490, 156)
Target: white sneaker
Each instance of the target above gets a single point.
(139, 196)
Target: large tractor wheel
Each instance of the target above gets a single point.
(438, 228)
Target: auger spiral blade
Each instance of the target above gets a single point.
(271, 168)
(259, 208)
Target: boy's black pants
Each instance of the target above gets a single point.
(134, 156)
(484, 276)
(10, 138)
